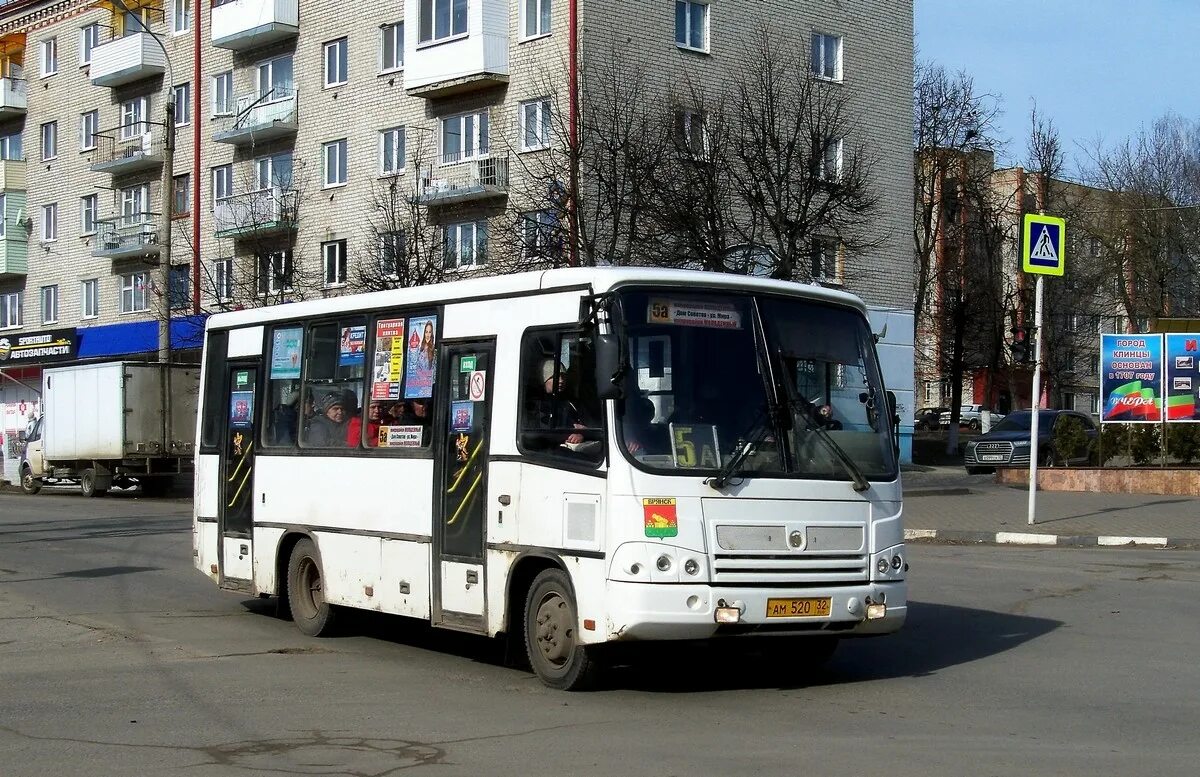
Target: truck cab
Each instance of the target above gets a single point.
(33, 460)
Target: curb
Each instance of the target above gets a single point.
(956, 537)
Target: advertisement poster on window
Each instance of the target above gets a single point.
(241, 408)
(388, 365)
(285, 353)
(1182, 388)
(422, 358)
(352, 350)
(1131, 378)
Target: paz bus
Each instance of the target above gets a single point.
(567, 458)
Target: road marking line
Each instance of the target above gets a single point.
(1021, 538)
(1131, 540)
(920, 534)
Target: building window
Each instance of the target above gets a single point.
(87, 214)
(181, 189)
(10, 310)
(465, 245)
(49, 57)
(183, 104)
(89, 298)
(690, 134)
(391, 151)
(441, 19)
(181, 16)
(535, 18)
(273, 172)
(464, 137)
(133, 204)
(10, 148)
(3, 215)
(88, 127)
(50, 304)
(337, 62)
(823, 256)
(535, 124)
(827, 56)
(89, 38)
(133, 293)
(691, 25)
(540, 236)
(133, 118)
(276, 78)
(335, 163)
(179, 287)
(49, 141)
(391, 53)
(392, 249)
(275, 273)
(50, 222)
(333, 255)
(223, 279)
(222, 183)
(827, 159)
(222, 94)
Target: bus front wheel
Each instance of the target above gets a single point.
(314, 616)
(555, 652)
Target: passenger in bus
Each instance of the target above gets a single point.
(642, 436)
(285, 418)
(354, 426)
(328, 430)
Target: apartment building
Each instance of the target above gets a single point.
(322, 149)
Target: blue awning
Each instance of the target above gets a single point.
(139, 337)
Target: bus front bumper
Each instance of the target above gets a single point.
(654, 611)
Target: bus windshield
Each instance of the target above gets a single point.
(802, 397)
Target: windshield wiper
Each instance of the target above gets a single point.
(747, 445)
(839, 453)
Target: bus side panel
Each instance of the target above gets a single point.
(204, 548)
(266, 544)
(404, 578)
(349, 569)
(204, 551)
(554, 509)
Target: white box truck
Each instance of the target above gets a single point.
(113, 424)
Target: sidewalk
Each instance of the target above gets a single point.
(943, 504)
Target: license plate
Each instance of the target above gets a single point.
(992, 457)
(799, 608)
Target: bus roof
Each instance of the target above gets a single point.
(597, 279)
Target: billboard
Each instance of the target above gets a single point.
(1131, 378)
(1181, 391)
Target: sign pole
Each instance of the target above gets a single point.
(1036, 399)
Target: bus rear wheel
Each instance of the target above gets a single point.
(555, 652)
(314, 616)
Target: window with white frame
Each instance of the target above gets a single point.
(391, 151)
(49, 57)
(222, 94)
(50, 304)
(133, 118)
(10, 148)
(50, 222)
(223, 279)
(133, 204)
(464, 137)
(87, 214)
(691, 25)
(535, 126)
(823, 259)
(393, 247)
(465, 245)
(10, 310)
(541, 237)
(275, 273)
(333, 254)
(827, 159)
(89, 298)
(89, 125)
(134, 297)
(181, 195)
(183, 104)
(441, 19)
(334, 156)
(827, 56)
(222, 183)
(276, 78)
(690, 132)
(391, 47)
(179, 285)
(49, 140)
(535, 18)
(273, 172)
(89, 38)
(337, 62)
(181, 16)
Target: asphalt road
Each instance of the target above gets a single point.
(117, 658)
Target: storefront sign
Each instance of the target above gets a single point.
(54, 345)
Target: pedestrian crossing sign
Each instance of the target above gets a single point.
(1045, 241)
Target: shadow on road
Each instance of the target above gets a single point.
(93, 528)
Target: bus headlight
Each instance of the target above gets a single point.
(653, 562)
(890, 564)
(691, 567)
(882, 566)
(663, 563)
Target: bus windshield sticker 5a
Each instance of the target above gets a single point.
(400, 436)
(661, 519)
(712, 315)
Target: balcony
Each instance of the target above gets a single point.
(245, 24)
(128, 149)
(12, 176)
(460, 61)
(261, 118)
(14, 239)
(122, 237)
(12, 97)
(458, 182)
(256, 214)
(124, 60)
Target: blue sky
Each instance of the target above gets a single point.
(1099, 68)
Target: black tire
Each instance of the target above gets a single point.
(551, 620)
(29, 484)
(87, 483)
(314, 616)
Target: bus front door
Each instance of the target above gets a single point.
(235, 517)
(465, 394)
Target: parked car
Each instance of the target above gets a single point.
(970, 416)
(1007, 444)
(928, 418)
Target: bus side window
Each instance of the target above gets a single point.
(211, 426)
(334, 366)
(285, 408)
(561, 416)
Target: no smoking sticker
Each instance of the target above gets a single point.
(477, 388)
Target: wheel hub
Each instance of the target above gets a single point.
(555, 633)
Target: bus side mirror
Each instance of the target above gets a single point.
(891, 400)
(608, 366)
